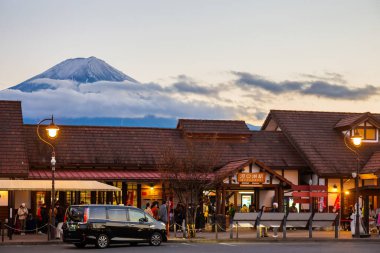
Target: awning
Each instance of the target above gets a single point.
(87, 174)
(60, 185)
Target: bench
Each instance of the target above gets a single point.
(244, 218)
(321, 220)
(274, 220)
(309, 220)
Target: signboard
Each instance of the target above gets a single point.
(256, 177)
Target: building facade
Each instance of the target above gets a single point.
(252, 167)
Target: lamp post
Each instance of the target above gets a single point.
(52, 132)
(356, 140)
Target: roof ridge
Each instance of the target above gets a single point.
(109, 127)
(327, 112)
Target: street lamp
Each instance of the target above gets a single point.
(52, 132)
(356, 140)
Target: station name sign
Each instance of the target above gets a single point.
(255, 177)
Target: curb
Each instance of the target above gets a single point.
(210, 241)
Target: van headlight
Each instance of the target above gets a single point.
(163, 224)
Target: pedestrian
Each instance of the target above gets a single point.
(155, 210)
(22, 214)
(179, 216)
(45, 217)
(148, 210)
(59, 216)
(263, 229)
(378, 219)
(293, 208)
(244, 209)
(275, 210)
(39, 216)
(163, 213)
(231, 213)
(252, 208)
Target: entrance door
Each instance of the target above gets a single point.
(246, 199)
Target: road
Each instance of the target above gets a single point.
(266, 247)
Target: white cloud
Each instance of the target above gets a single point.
(113, 99)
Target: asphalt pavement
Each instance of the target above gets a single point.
(210, 247)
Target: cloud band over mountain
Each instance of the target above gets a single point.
(321, 88)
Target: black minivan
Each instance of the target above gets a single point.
(106, 224)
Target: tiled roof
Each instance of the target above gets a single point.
(13, 158)
(224, 127)
(232, 167)
(316, 140)
(143, 147)
(103, 146)
(373, 165)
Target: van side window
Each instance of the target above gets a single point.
(117, 214)
(136, 216)
(75, 213)
(97, 212)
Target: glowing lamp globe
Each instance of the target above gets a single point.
(356, 138)
(52, 130)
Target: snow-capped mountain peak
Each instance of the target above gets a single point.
(80, 70)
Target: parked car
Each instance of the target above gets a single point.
(103, 225)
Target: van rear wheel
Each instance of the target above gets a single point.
(102, 241)
(155, 239)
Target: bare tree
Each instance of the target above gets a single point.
(189, 171)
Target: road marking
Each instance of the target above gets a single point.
(188, 244)
(228, 244)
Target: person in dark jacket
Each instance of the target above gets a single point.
(163, 213)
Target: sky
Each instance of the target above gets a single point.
(241, 57)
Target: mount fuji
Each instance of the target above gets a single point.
(88, 91)
(78, 70)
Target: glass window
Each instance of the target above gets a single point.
(370, 134)
(97, 212)
(117, 214)
(135, 215)
(367, 131)
(76, 214)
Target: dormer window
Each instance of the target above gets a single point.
(368, 131)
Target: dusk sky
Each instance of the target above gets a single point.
(245, 56)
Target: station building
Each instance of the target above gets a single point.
(292, 148)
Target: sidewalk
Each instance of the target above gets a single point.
(245, 235)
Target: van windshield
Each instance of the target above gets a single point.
(75, 213)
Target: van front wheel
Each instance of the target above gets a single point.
(102, 241)
(155, 239)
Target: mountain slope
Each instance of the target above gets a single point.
(78, 70)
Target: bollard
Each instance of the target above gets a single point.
(175, 230)
(284, 228)
(237, 230)
(310, 228)
(216, 230)
(337, 227)
(2, 231)
(232, 230)
(10, 230)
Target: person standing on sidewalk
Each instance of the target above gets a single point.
(163, 213)
(148, 210)
(22, 214)
(275, 210)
